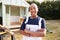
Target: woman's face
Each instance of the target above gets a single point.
(33, 10)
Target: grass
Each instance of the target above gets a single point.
(52, 25)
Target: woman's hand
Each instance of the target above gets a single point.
(27, 31)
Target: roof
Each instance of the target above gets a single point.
(0, 1)
(15, 2)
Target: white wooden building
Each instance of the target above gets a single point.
(11, 11)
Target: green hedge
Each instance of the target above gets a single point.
(48, 10)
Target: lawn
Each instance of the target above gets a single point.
(52, 25)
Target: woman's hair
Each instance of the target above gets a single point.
(34, 5)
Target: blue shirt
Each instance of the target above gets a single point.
(33, 22)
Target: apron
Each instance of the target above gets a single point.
(33, 28)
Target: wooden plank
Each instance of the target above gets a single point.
(2, 33)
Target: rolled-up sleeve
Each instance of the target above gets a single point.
(43, 23)
(23, 25)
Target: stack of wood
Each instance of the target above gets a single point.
(5, 29)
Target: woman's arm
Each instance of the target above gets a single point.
(39, 33)
(24, 33)
(22, 28)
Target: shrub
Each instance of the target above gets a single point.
(48, 10)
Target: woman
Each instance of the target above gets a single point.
(34, 29)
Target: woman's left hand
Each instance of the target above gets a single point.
(26, 30)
